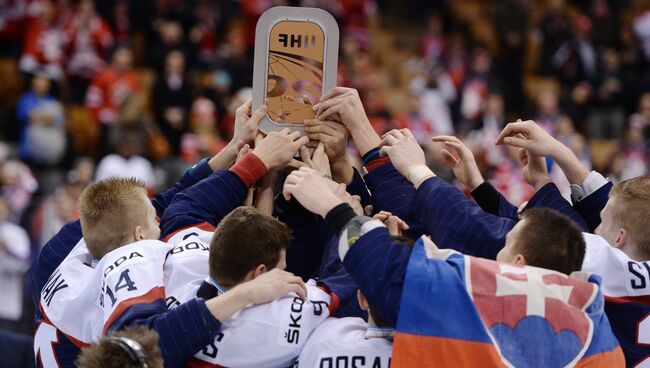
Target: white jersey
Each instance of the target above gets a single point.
(187, 264)
(130, 276)
(267, 335)
(626, 286)
(345, 343)
(621, 275)
(82, 301)
(69, 298)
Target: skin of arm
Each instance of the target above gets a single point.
(263, 289)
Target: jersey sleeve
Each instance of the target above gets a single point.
(51, 256)
(491, 201)
(192, 176)
(364, 247)
(390, 191)
(590, 206)
(211, 199)
(336, 279)
(206, 202)
(358, 187)
(453, 221)
(549, 196)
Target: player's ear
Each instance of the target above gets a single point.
(520, 260)
(260, 269)
(621, 239)
(363, 302)
(138, 234)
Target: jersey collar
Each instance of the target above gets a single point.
(374, 332)
(220, 289)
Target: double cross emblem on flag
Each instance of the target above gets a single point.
(535, 317)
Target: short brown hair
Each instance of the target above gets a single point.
(244, 239)
(551, 240)
(110, 209)
(107, 353)
(633, 211)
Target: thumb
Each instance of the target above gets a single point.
(304, 155)
(523, 156)
(449, 158)
(257, 116)
(286, 193)
(385, 151)
(320, 149)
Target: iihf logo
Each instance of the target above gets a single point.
(297, 41)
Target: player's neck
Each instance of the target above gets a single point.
(371, 321)
(632, 251)
(221, 288)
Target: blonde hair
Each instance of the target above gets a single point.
(110, 210)
(632, 211)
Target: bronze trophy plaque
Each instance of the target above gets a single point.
(296, 56)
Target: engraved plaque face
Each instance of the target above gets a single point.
(295, 69)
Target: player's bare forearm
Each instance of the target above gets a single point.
(365, 138)
(570, 165)
(225, 158)
(264, 197)
(342, 171)
(227, 304)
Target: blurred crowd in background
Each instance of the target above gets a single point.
(146, 88)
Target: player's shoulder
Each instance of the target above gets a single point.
(621, 275)
(199, 233)
(340, 329)
(342, 341)
(315, 294)
(289, 307)
(151, 252)
(149, 246)
(68, 298)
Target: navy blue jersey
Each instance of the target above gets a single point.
(630, 320)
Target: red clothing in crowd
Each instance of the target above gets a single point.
(14, 14)
(87, 45)
(43, 49)
(107, 92)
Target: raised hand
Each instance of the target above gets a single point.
(461, 162)
(344, 105)
(278, 148)
(534, 169)
(334, 137)
(332, 134)
(529, 136)
(404, 151)
(312, 190)
(318, 161)
(246, 124)
(394, 224)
